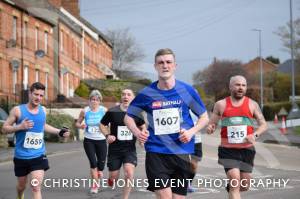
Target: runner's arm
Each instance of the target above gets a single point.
(80, 119)
(50, 129)
(142, 135)
(200, 124)
(60, 132)
(214, 118)
(131, 125)
(104, 129)
(262, 124)
(8, 126)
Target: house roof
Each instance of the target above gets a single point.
(33, 7)
(104, 37)
(268, 66)
(44, 11)
(286, 67)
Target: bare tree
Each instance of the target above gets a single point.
(284, 33)
(215, 78)
(126, 51)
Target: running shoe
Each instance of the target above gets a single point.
(191, 189)
(22, 197)
(227, 188)
(94, 189)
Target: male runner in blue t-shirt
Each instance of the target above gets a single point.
(170, 141)
(28, 122)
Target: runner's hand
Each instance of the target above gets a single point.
(185, 136)
(26, 124)
(250, 138)
(64, 132)
(110, 139)
(143, 136)
(211, 128)
(82, 126)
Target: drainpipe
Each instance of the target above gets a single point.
(82, 57)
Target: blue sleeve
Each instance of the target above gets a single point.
(196, 104)
(136, 107)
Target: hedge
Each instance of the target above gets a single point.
(58, 120)
(82, 90)
(3, 138)
(271, 109)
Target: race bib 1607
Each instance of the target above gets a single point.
(166, 121)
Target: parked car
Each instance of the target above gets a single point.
(11, 138)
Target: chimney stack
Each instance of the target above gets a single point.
(72, 6)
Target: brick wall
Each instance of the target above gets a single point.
(25, 55)
(71, 6)
(253, 67)
(70, 58)
(30, 36)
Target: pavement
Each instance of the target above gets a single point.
(7, 154)
(273, 135)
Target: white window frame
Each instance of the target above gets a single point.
(76, 51)
(46, 41)
(37, 75)
(25, 28)
(61, 83)
(46, 86)
(25, 78)
(15, 80)
(61, 40)
(14, 33)
(36, 38)
(68, 85)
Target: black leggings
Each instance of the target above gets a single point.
(96, 151)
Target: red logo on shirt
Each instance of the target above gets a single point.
(157, 104)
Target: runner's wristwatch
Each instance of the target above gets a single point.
(255, 135)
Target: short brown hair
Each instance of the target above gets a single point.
(37, 86)
(164, 51)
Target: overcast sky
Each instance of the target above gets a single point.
(197, 30)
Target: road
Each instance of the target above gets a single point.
(276, 163)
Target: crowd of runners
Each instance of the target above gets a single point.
(165, 117)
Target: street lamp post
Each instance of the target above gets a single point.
(295, 111)
(261, 70)
(292, 52)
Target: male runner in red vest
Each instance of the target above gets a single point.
(236, 152)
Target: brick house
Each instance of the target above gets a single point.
(253, 69)
(42, 41)
(21, 36)
(253, 66)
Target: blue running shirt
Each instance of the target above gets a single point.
(30, 143)
(92, 120)
(167, 112)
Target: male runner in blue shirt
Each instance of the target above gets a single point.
(30, 125)
(170, 140)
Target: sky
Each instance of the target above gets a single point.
(196, 30)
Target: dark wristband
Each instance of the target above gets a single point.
(62, 132)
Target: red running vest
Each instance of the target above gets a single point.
(230, 113)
